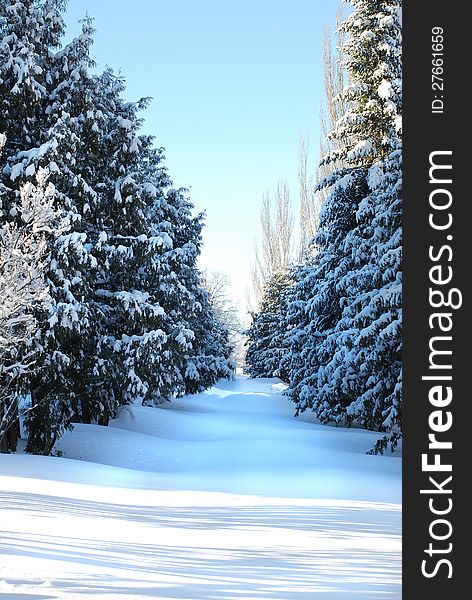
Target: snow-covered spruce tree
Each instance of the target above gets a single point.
(205, 359)
(266, 334)
(66, 331)
(270, 276)
(372, 320)
(157, 339)
(30, 31)
(316, 302)
(355, 373)
(209, 359)
(125, 291)
(365, 359)
(62, 114)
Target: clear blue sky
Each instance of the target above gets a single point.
(234, 83)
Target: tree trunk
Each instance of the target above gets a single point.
(39, 426)
(11, 433)
(85, 404)
(104, 419)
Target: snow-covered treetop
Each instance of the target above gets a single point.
(371, 126)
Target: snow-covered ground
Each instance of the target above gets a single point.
(222, 495)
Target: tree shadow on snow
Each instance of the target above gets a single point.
(199, 572)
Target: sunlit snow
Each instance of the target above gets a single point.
(221, 495)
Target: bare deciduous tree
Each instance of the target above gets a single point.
(217, 283)
(23, 289)
(332, 108)
(275, 250)
(335, 79)
(310, 199)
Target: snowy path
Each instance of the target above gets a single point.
(217, 496)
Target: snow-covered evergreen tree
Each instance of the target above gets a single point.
(209, 358)
(365, 358)
(347, 362)
(66, 333)
(369, 333)
(266, 334)
(148, 286)
(30, 33)
(316, 302)
(126, 312)
(372, 56)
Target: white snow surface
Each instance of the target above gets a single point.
(221, 495)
